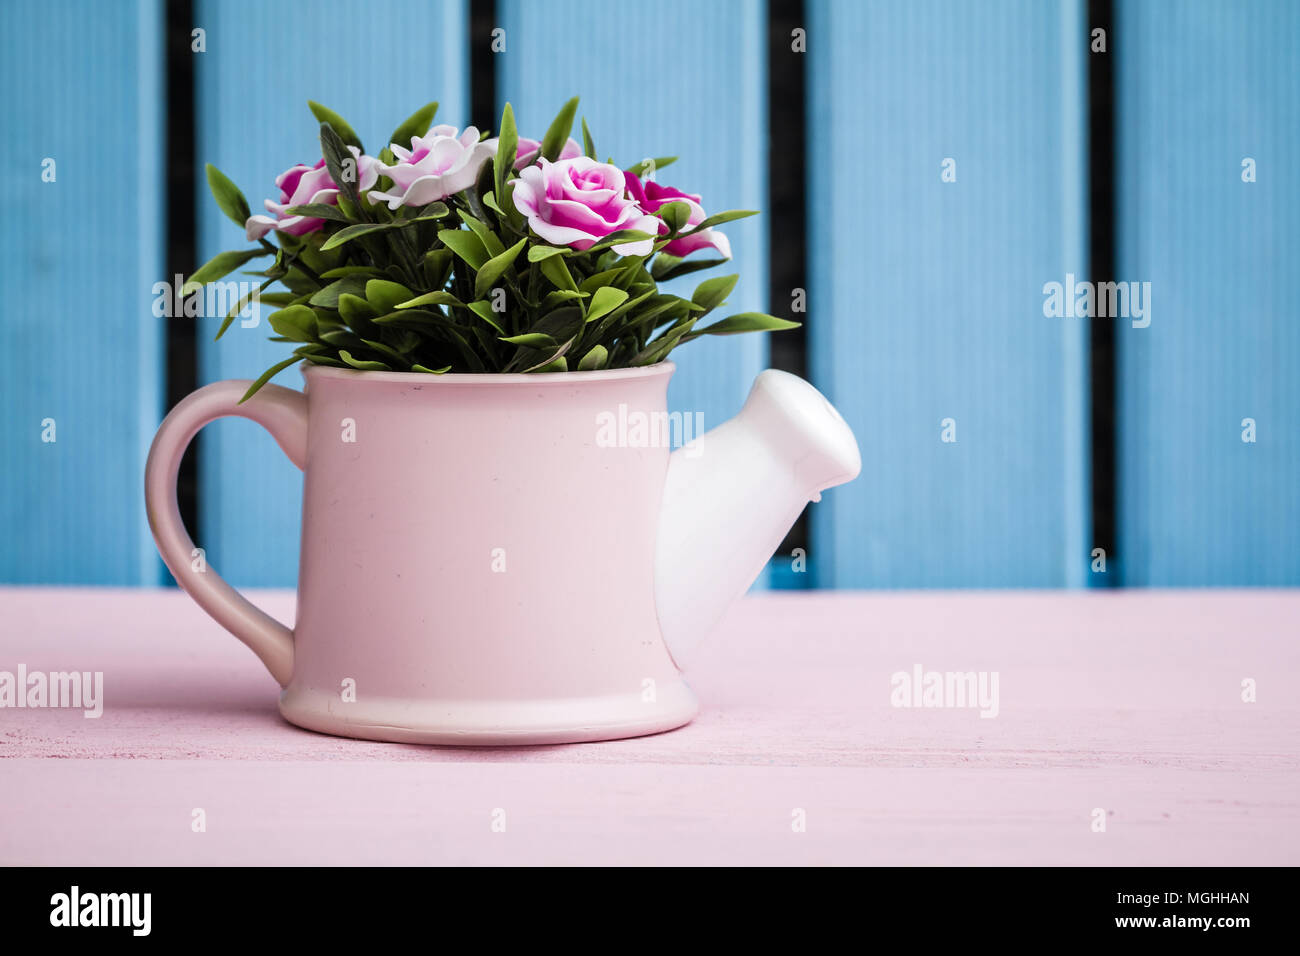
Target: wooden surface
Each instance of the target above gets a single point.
(1128, 702)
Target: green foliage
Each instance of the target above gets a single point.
(558, 133)
(417, 124)
(463, 285)
(229, 199)
(329, 117)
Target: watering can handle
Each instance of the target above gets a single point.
(282, 412)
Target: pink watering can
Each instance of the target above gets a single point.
(506, 559)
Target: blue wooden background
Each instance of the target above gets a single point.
(925, 297)
(1207, 86)
(82, 84)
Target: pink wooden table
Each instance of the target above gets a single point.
(1127, 702)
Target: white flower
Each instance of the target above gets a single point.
(439, 164)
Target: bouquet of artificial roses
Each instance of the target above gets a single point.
(468, 254)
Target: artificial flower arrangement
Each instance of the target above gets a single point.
(460, 253)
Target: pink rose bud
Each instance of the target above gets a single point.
(650, 196)
(439, 164)
(577, 202)
(303, 185)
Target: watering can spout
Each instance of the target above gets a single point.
(731, 496)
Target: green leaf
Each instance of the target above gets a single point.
(744, 322)
(393, 355)
(222, 264)
(638, 276)
(336, 154)
(430, 213)
(558, 132)
(466, 245)
(277, 299)
(259, 294)
(538, 253)
(658, 350)
(341, 271)
(297, 323)
(483, 309)
(670, 267)
(328, 357)
(437, 266)
(588, 146)
(417, 124)
(229, 199)
(718, 219)
(493, 269)
(432, 371)
(319, 210)
(385, 295)
(507, 144)
(329, 360)
(341, 337)
(348, 233)
(355, 310)
(659, 162)
(660, 309)
(413, 319)
(349, 209)
(711, 293)
(594, 359)
(269, 374)
(328, 297)
(324, 114)
(491, 241)
(298, 283)
(364, 365)
(511, 211)
(619, 238)
(561, 326)
(553, 299)
(532, 340)
(437, 297)
(555, 270)
(561, 364)
(603, 300)
(600, 279)
(608, 320)
(675, 214)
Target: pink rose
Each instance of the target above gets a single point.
(528, 149)
(301, 185)
(439, 164)
(576, 202)
(650, 196)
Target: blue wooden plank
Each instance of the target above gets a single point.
(926, 297)
(374, 64)
(1206, 86)
(78, 258)
(670, 78)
